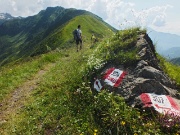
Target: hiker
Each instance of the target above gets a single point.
(78, 38)
(93, 40)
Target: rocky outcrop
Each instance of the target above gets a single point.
(145, 76)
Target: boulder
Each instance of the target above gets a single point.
(146, 76)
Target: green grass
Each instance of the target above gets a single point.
(63, 102)
(172, 70)
(37, 34)
(63, 38)
(14, 74)
(52, 92)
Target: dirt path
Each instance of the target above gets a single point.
(18, 97)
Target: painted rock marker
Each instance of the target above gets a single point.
(97, 85)
(114, 77)
(161, 103)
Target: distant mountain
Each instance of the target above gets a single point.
(175, 61)
(171, 53)
(4, 17)
(166, 43)
(50, 28)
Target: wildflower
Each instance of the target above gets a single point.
(83, 83)
(78, 90)
(123, 123)
(95, 132)
(148, 124)
(135, 134)
(170, 120)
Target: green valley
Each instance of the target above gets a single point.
(51, 28)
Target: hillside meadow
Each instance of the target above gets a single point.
(63, 102)
(48, 30)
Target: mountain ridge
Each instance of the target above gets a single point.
(65, 100)
(175, 61)
(22, 37)
(118, 85)
(165, 42)
(6, 17)
(171, 53)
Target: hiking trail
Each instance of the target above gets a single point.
(17, 98)
(11, 106)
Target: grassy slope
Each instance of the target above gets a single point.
(63, 102)
(54, 83)
(14, 74)
(175, 61)
(63, 38)
(171, 69)
(13, 51)
(59, 37)
(30, 41)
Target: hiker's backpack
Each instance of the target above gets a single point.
(75, 34)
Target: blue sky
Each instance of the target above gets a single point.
(161, 15)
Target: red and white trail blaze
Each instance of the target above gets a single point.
(161, 103)
(112, 77)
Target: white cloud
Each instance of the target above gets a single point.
(98, 7)
(159, 21)
(13, 4)
(118, 13)
(114, 11)
(172, 26)
(152, 16)
(121, 14)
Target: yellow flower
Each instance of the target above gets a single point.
(148, 124)
(135, 134)
(123, 123)
(95, 132)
